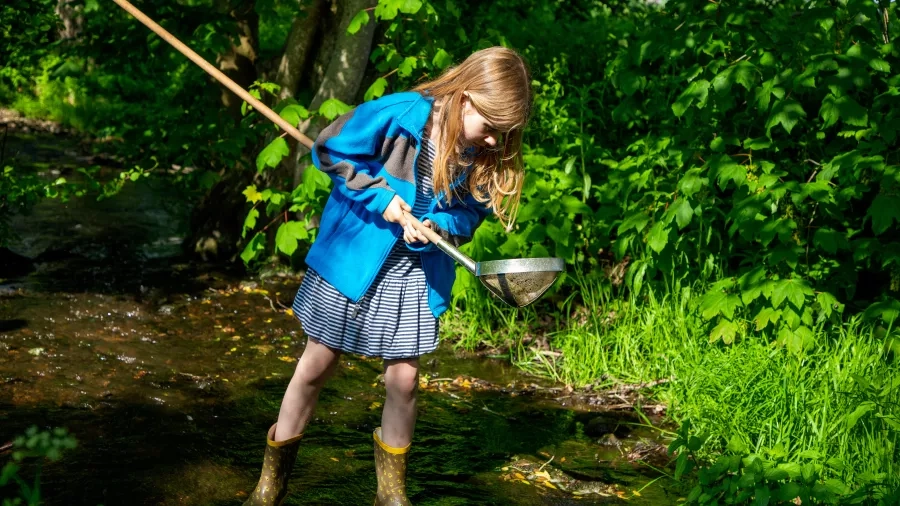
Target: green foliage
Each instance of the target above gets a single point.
(769, 476)
(33, 445)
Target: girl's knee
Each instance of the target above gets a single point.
(402, 379)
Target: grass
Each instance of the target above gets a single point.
(838, 400)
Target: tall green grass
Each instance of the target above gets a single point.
(839, 399)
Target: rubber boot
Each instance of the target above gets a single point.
(390, 468)
(277, 465)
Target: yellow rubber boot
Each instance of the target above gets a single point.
(390, 468)
(277, 465)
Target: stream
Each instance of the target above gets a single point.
(169, 373)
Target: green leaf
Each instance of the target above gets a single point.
(844, 108)
(883, 211)
(294, 113)
(361, 19)
(287, 236)
(332, 108)
(683, 212)
(658, 236)
(257, 244)
(573, 205)
(250, 221)
(692, 182)
(724, 168)
(441, 59)
(407, 66)
(794, 290)
(636, 221)
(827, 239)
(725, 331)
(785, 112)
(410, 6)
(387, 9)
(737, 445)
(765, 316)
(376, 89)
(717, 302)
(698, 92)
(272, 154)
(880, 65)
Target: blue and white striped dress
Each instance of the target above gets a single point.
(393, 319)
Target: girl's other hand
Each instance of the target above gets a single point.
(411, 235)
(394, 211)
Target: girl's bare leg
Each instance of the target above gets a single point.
(316, 365)
(401, 379)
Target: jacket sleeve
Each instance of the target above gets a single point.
(348, 151)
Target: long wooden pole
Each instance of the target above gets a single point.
(216, 73)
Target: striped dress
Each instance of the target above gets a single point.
(393, 319)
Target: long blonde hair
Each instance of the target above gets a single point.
(498, 84)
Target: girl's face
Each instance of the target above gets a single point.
(477, 130)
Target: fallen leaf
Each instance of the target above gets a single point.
(335, 459)
(287, 359)
(235, 338)
(519, 476)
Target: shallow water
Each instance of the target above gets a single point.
(169, 373)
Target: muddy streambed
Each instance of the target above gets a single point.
(169, 373)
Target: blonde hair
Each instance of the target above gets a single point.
(498, 85)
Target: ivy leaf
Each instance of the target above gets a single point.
(698, 91)
(287, 236)
(441, 59)
(376, 89)
(332, 108)
(361, 19)
(407, 66)
(658, 237)
(272, 154)
(883, 211)
(786, 113)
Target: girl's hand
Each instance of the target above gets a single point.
(394, 211)
(411, 235)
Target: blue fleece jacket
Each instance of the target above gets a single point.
(370, 154)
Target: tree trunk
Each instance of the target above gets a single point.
(218, 220)
(343, 73)
(298, 47)
(70, 13)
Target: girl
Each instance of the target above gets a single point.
(449, 153)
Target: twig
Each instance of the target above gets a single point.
(6, 447)
(545, 463)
